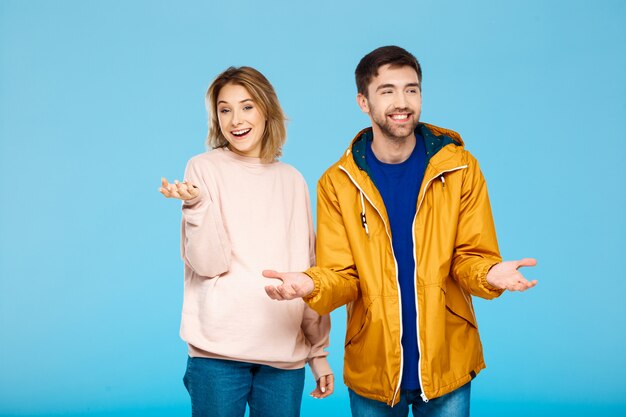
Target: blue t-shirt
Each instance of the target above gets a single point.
(399, 186)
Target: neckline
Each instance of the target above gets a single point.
(248, 160)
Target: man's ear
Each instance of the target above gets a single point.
(361, 100)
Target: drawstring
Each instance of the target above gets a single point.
(363, 219)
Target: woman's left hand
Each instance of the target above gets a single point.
(325, 386)
(180, 190)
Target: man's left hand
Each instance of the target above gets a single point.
(506, 275)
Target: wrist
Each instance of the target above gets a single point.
(313, 286)
(490, 281)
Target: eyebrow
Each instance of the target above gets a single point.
(380, 87)
(242, 101)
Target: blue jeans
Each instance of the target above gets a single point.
(222, 388)
(453, 404)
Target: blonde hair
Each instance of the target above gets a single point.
(263, 95)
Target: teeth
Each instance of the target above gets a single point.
(399, 116)
(240, 132)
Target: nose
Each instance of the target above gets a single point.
(236, 120)
(401, 100)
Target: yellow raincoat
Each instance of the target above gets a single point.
(455, 246)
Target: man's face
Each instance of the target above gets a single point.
(394, 102)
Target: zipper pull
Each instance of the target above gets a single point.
(443, 181)
(423, 397)
(364, 223)
(363, 219)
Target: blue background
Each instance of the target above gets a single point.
(98, 100)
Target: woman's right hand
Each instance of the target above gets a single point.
(180, 190)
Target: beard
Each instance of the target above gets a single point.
(393, 131)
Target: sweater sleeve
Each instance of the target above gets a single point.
(205, 245)
(316, 329)
(476, 249)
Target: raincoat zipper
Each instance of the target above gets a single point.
(417, 309)
(397, 280)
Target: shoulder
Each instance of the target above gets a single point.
(206, 159)
(467, 157)
(340, 170)
(208, 156)
(288, 171)
(330, 174)
(205, 165)
(458, 155)
(286, 168)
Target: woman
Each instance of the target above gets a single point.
(243, 212)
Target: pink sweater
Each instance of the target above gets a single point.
(248, 217)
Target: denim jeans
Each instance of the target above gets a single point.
(222, 388)
(453, 404)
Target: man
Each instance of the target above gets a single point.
(405, 237)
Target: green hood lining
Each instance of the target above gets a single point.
(433, 143)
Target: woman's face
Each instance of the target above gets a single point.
(241, 120)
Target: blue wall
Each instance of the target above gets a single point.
(98, 100)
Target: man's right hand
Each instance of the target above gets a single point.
(295, 285)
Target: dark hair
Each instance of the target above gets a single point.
(393, 55)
